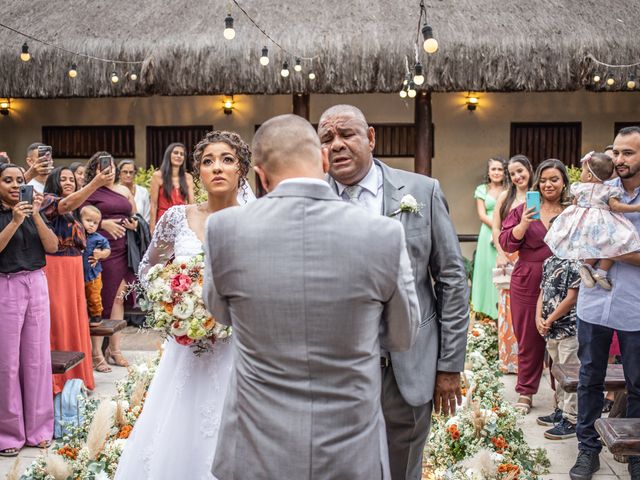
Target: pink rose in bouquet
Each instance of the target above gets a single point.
(181, 283)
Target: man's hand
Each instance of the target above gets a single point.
(447, 393)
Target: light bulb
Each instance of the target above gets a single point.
(312, 76)
(403, 93)
(596, 78)
(228, 104)
(73, 71)
(412, 90)
(285, 70)
(418, 77)
(473, 100)
(114, 78)
(631, 84)
(4, 105)
(405, 82)
(25, 56)
(297, 67)
(610, 81)
(229, 33)
(133, 76)
(430, 44)
(264, 59)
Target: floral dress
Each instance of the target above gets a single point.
(589, 229)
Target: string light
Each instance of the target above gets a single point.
(297, 67)
(114, 77)
(418, 77)
(312, 76)
(610, 81)
(25, 56)
(229, 33)
(264, 59)
(403, 93)
(412, 90)
(596, 78)
(285, 69)
(430, 44)
(73, 71)
(631, 84)
(133, 76)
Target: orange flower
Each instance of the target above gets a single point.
(453, 431)
(168, 308)
(125, 431)
(463, 390)
(500, 443)
(508, 468)
(475, 333)
(69, 452)
(209, 324)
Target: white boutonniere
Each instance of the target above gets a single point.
(408, 204)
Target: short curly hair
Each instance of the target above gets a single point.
(234, 141)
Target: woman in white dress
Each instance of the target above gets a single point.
(176, 434)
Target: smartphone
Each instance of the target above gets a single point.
(43, 150)
(26, 194)
(533, 200)
(105, 162)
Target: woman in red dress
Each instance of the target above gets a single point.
(522, 233)
(171, 184)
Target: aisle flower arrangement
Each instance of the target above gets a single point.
(483, 440)
(91, 450)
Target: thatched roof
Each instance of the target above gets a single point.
(492, 45)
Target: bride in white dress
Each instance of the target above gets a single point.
(176, 434)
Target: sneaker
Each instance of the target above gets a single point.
(551, 419)
(564, 429)
(586, 276)
(586, 465)
(601, 280)
(606, 407)
(634, 467)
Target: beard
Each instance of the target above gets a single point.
(629, 171)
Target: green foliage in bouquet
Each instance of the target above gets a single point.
(574, 174)
(143, 177)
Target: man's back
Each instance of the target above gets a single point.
(307, 280)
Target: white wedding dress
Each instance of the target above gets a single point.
(175, 436)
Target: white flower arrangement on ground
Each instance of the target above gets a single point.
(483, 440)
(172, 298)
(91, 450)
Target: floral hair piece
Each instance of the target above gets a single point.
(587, 157)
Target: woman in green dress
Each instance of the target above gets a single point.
(484, 295)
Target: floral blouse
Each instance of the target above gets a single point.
(558, 276)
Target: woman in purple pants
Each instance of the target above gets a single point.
(26, 403)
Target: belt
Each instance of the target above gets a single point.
(385, 362)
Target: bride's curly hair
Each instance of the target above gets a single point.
(234, 141)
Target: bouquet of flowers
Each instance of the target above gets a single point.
(172, 298)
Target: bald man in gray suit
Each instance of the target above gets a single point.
(313, 287)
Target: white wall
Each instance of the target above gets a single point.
(463, 139)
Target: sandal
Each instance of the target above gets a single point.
(9, 452)
(524, 403)
(100, 365)
(42, 444)
(115, 357)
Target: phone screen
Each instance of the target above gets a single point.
(105, 162)
(533, 200)
(44, 150)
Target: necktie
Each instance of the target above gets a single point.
(351, 194)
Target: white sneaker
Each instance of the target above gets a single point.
(601, 280)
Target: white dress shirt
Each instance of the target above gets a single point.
(371, 195)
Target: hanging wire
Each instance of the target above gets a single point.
(595, 60)
(62, 49)
(423, 11)
(301, 57)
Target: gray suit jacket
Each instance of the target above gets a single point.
(441, 284)
(311, 287)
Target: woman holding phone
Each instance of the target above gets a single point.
(117, 205)
(524, 233)
(69, 321)
(26, 404)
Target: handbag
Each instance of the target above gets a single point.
(501, 277)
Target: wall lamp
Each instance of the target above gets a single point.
(5, 106)
(472, 101)
(228, 105)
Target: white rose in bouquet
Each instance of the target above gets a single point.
(184, 309)
(179, 329)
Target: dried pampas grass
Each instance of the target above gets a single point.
(120, 414)
(100, 428)
(57, 467)
(483, 462)
(137, 394)
(14, 473)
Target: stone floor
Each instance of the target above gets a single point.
(562, 453)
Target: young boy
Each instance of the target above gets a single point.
(556, 321)
(97, 249)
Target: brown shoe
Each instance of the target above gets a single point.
(115, 357)
(100, 365)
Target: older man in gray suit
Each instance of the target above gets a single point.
(312, 287)
(428, 374)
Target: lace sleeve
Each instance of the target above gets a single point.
(162, 246)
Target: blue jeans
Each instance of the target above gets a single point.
(593, 351)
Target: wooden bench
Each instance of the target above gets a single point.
(566, 374)
(620, 435)
(62, 362)
(107, 328)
